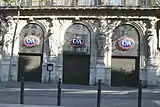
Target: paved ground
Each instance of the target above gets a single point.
(77, 95)
(23, 105)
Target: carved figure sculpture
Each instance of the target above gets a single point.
(151, 41)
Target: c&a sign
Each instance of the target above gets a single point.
(31, 41)
(126, 43)
(77, 42)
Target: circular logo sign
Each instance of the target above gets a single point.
(31, 41)
(126, 43)
(77, 42)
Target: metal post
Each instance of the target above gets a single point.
(49, 79)
(59, 93)
(140, 94)
(99, 93)
(22, 91)
(139, 68)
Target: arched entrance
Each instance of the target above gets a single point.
(125, 56)
(31, 52)
(76, 55)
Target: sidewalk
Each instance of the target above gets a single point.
(34, 85)
(43, 86)
(23, 105)
(38, 94)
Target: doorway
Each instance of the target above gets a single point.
(125, 71)
(30, 66)
(76, 69)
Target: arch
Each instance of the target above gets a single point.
(135, 25)
(78, 40)
(41, 25)
(41, 34)
(86, 27)
(139, 33)
(126, 48)
(31, 41)
(84, 23)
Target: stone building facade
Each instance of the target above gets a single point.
(104, 31)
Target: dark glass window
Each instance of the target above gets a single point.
(34, 30)
(77, 30)
(125, 31)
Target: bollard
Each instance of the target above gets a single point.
(140, 94)
(59, 93)
(49, 79)
(22, 91)
(99, 93)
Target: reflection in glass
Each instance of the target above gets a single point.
(124, 72)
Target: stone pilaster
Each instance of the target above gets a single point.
(50, 51)
(103, 53)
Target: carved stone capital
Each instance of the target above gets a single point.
(103, 25)
(30, 20)
(151, 23)
(50, 26)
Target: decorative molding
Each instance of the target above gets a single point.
(30, 19)
(90, 17)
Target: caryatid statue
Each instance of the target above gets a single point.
(152, 43)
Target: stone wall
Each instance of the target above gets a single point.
(101, 51)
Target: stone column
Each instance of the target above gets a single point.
(151, 53)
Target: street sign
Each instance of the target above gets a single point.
(49, 67)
